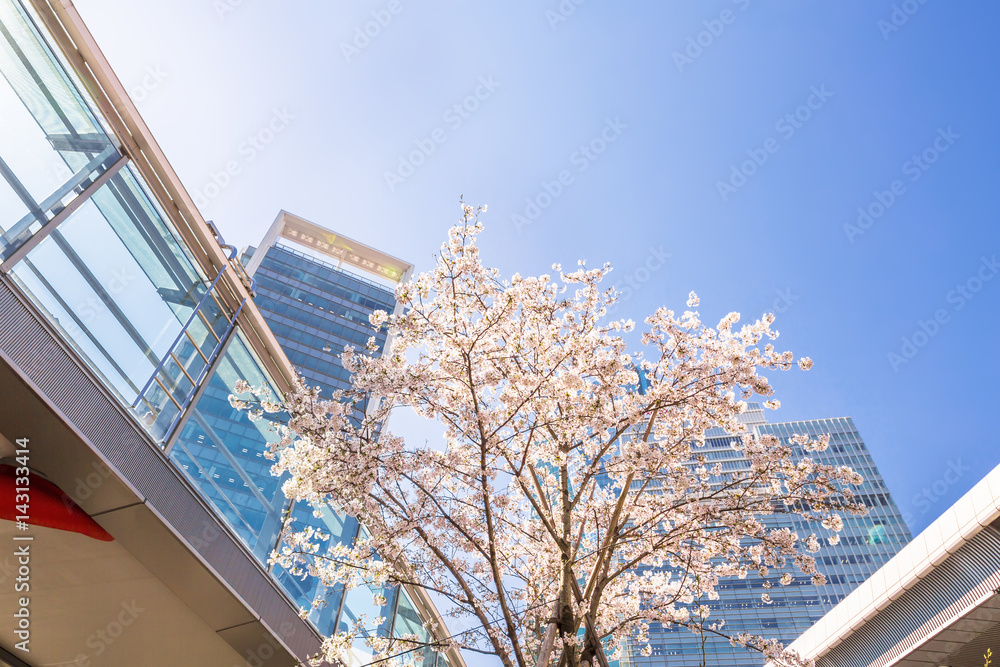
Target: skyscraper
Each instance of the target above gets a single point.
(866, 543)
(316, 290)
(935, 603)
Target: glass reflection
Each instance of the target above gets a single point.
(53, 146)
(118, 284)
(341, 529)
(222, 453)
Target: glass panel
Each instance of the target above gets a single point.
(117, 282)
(191, 358)
(13, 207)
(222, 453)
(361, 602)
(157, 412)
(408, 622)
(52, 146)
(360, 655)
(342, 529)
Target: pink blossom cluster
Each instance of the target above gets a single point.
(559, 492)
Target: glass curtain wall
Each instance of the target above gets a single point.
(865, 544)
(314, 309)
(83, 239)
(222, 452)
(108, 269)
(53, 146)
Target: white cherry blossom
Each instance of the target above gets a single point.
(566, 488)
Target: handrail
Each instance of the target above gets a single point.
(241, 272)
(180, 335)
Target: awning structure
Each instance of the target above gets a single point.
(935, 604)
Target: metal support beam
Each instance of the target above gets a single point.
(22, 192)
(51, 225)
(199, 392)
(180, 335)
(203, 378)
(40, 212)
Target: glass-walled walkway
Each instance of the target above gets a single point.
(82, 237)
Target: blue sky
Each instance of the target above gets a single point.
(643, 109)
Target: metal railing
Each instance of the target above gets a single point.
(171, 385)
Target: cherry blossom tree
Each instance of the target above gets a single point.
(568, 505)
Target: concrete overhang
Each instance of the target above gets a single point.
(935, 602)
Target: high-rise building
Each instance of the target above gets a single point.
(136, 505)
(316, 289)
(866, 543)
(937, 602)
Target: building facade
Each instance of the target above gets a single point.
(127, 322)
(316, 289)
(935, 603)
(866, 543)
